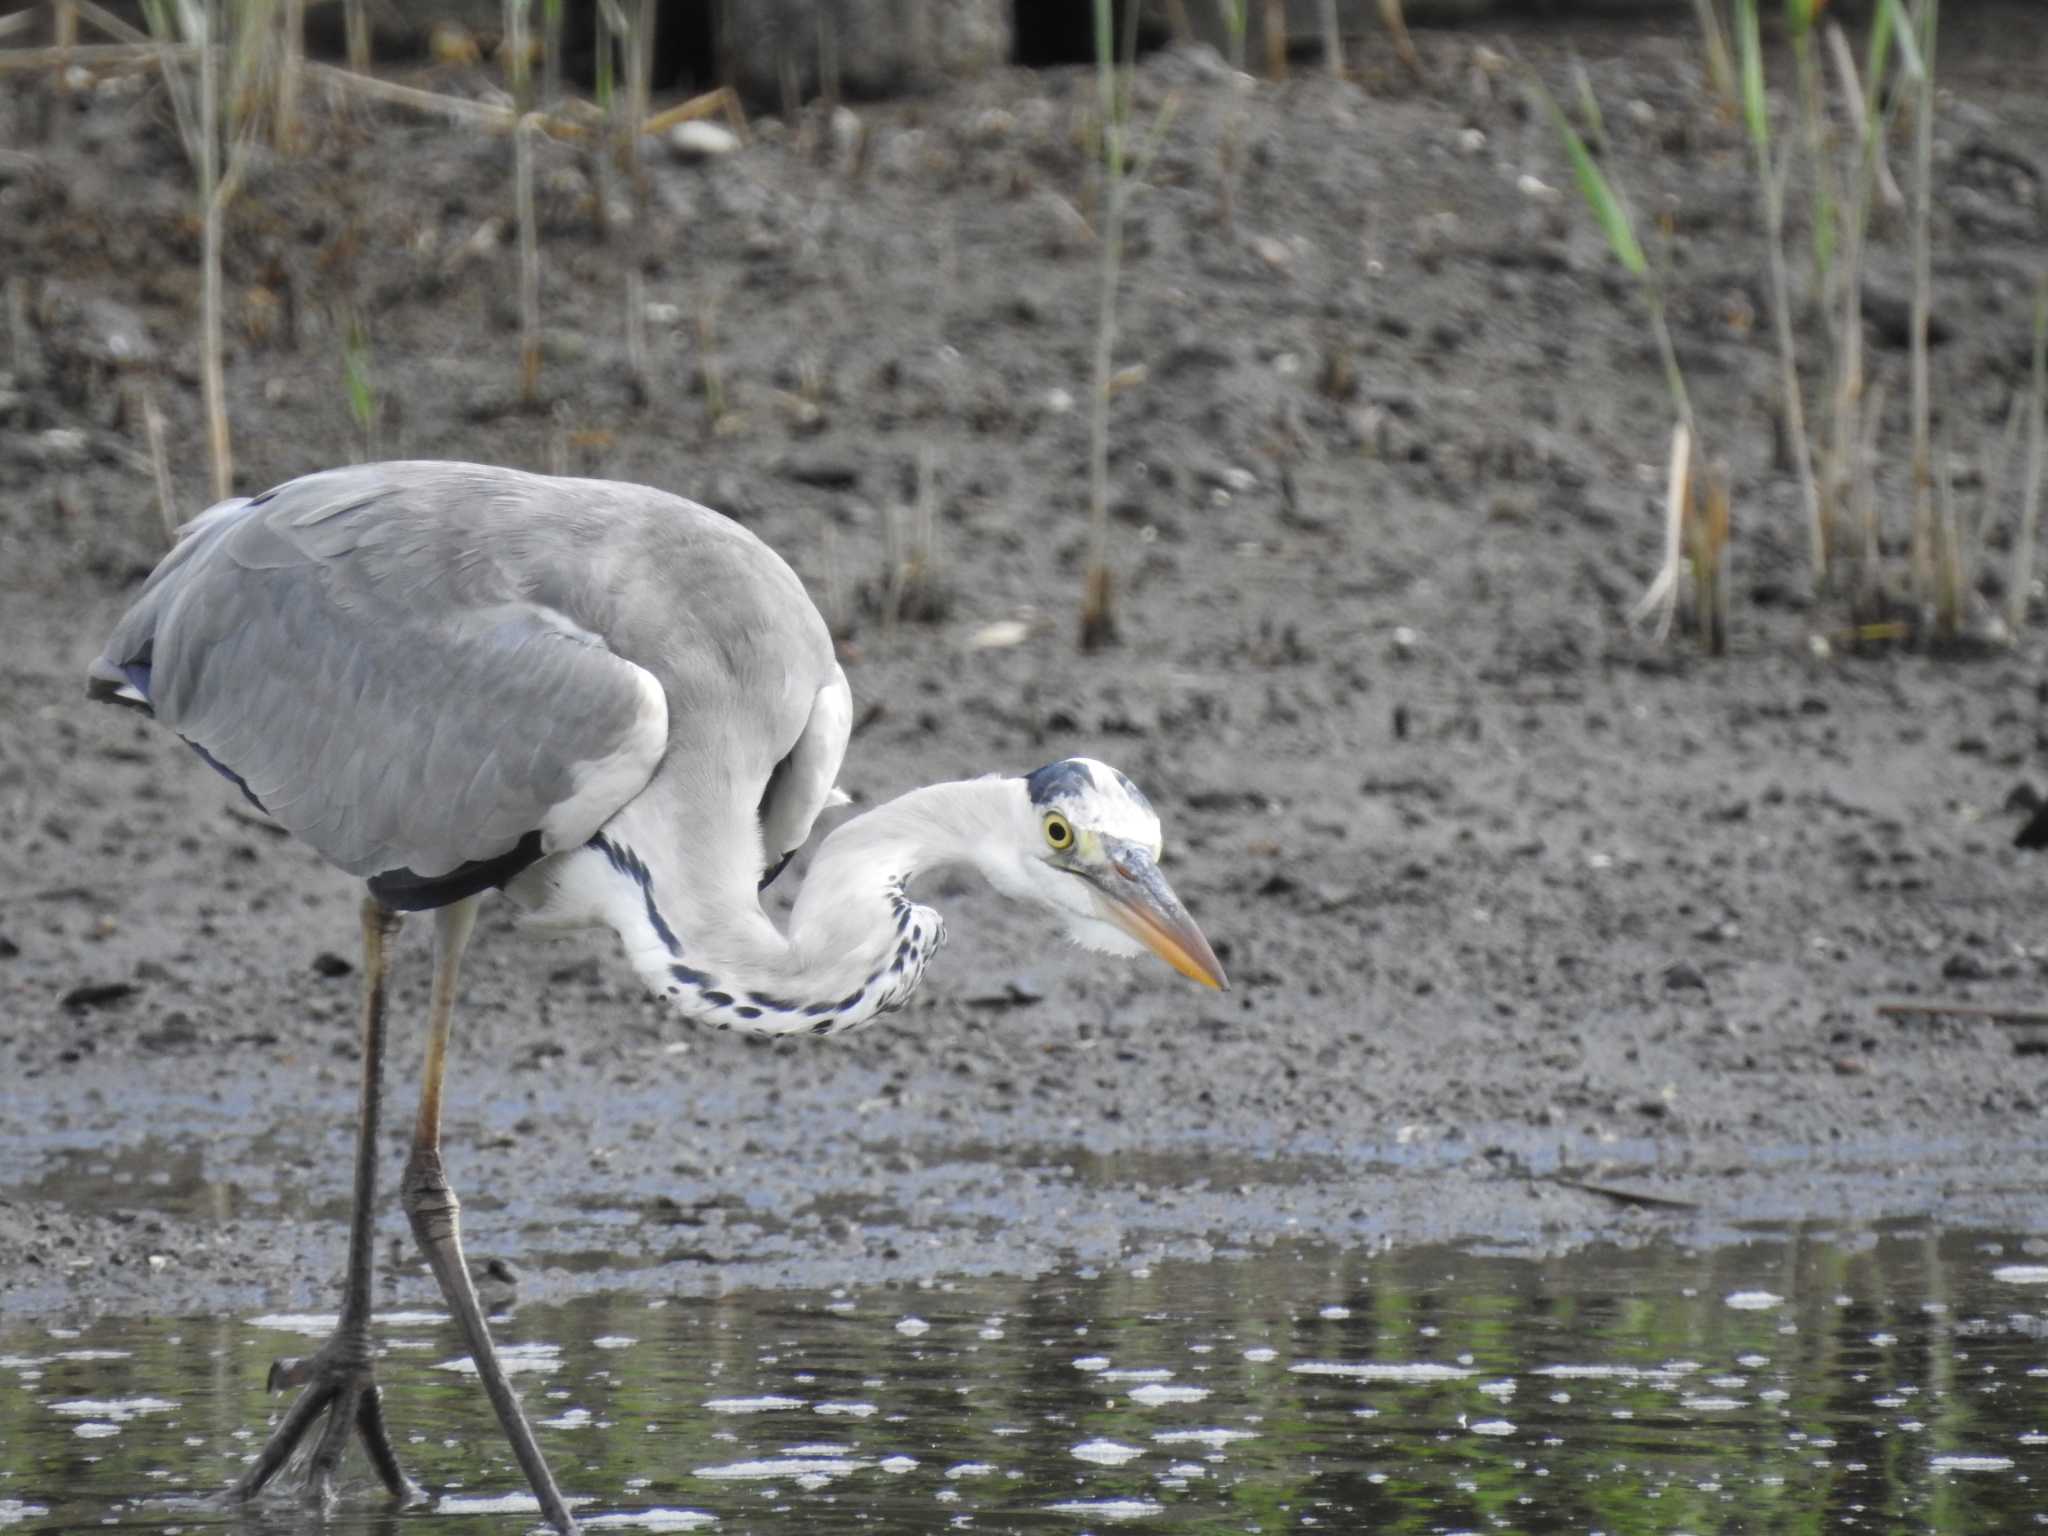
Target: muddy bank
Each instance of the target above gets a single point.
(1503, 890)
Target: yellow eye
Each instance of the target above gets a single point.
(1058, 834)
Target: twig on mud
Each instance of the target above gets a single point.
(720, 100)
(1276, 38)
(1991, 1012)
(1631, 1197)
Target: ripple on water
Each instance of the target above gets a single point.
(752, 1404)
(1958, 1463)
(1109, 1509)
(785, 1466)
(1383, 1370)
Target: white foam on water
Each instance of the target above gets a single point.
(1151, 1373)
(1106, 1453)
(569, 1418)
(911, 1327)
(487, 1504)
(1334, 1313)
(1493, 1427)
(1152, 1394)
(14, 1511)
(1752, 1301)
(845, 1410)
(93, 1429)
(94, 1354)
(1499, 1390)
(971, 1469)
(787, 1466)
(2021, 1274)
(1259, 1354)
(898, 1464)
(614, 1341)
(1092, 1363)
(117, 1409)
(513, 1357)
(1379, 1370)
(1971, 1464)
(649, 1520)
(1109, 1509)
(752, 1404)
(1710, 1404)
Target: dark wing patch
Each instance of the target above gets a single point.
(403, 891)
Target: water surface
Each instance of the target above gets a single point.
(1797, 1382)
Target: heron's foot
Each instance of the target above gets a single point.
(339, 1394)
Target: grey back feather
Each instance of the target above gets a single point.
(413, 665)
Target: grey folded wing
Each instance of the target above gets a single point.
(393, 729)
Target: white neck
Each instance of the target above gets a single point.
(856, 944)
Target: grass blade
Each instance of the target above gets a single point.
(1599, 193)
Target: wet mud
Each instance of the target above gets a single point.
(1538, 930)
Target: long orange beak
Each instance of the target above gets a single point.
(1136, 897)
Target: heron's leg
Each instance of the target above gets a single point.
(436, 1218)
(337, 1377)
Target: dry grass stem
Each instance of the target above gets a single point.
(1720, 61)
(1851, 86)
(356, 23)
(709, 104)
(1924, 558)
(1660, 600)
(2021, 585)
(159, 464)
(1396, 22)
(1333, 41)
(116, 28)
(529, 262)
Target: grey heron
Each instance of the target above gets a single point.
(620, 709)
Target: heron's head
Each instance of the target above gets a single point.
(1086, 844)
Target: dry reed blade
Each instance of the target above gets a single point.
(1396, 22)
(2037, 462)
(1926, 20)
(159, 464)
(529, 262)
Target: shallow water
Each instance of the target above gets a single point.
(1876, 1381)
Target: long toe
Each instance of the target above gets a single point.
(338, 1395)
